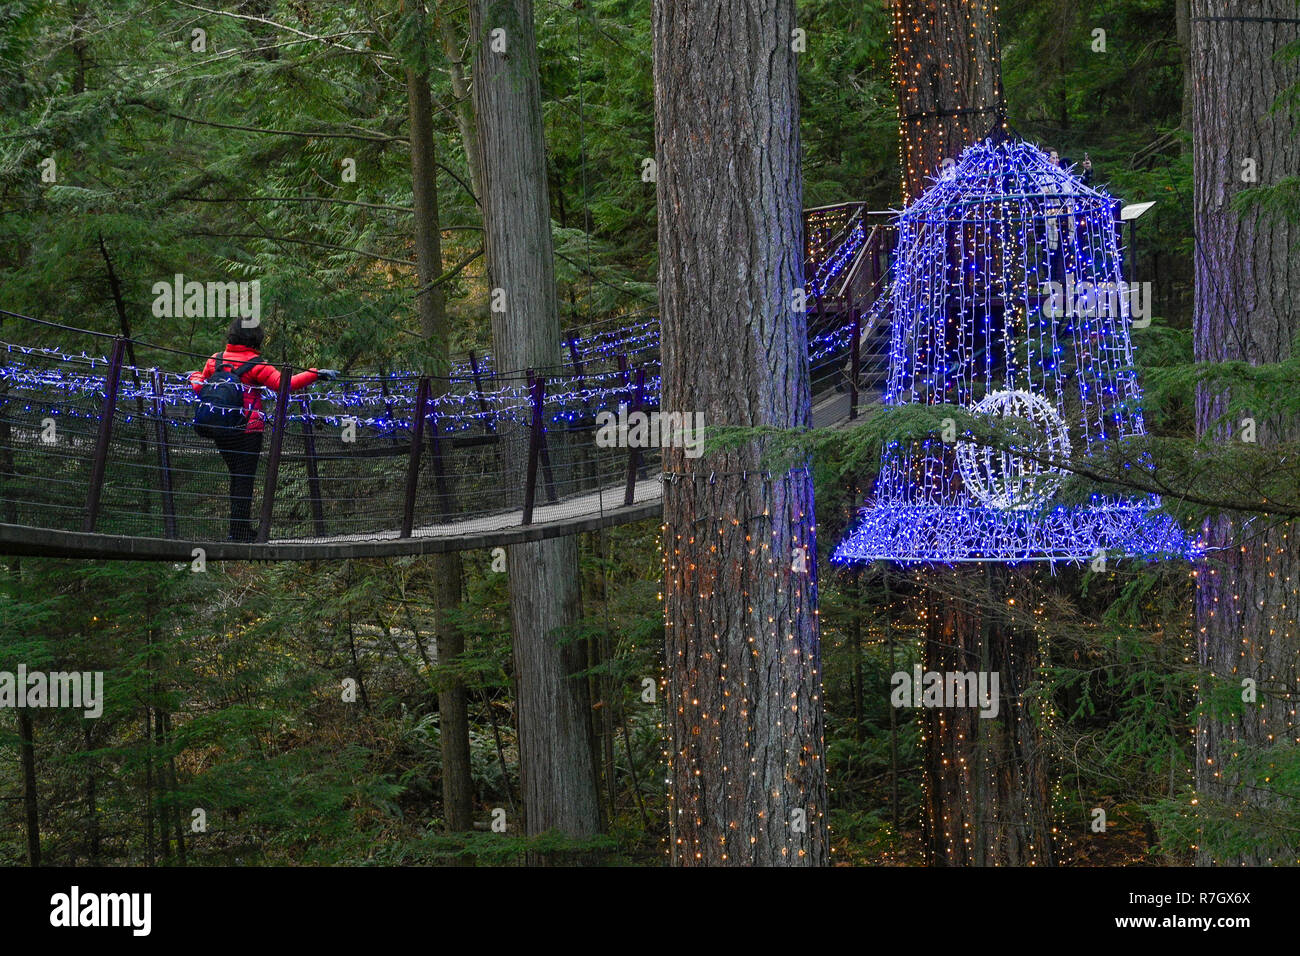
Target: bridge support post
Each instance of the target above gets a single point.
(544, 450)
(280, 421)
(313, 475)
(105, 435)
(164, 457)
(634, 453)
(413, 463)
(575, 359)
(7, 468)
(876, 270)
(446, 506)
(536, 438)
(489, 423)
(855, 358)
(388, 399)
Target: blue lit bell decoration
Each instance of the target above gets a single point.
(1008, 300)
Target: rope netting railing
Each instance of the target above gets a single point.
(94, 443)
(91, 444)
(97, 445)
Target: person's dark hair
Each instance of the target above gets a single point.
(250, 336)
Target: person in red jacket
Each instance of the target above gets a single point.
(241, 451)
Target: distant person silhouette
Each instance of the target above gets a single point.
(1060, 227)
(236, 427)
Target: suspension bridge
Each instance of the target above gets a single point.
(98, 457)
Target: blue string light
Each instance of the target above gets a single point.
(569, 397)
(983, 256)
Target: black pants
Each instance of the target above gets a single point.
(240, 453)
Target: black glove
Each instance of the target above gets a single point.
(327, 374)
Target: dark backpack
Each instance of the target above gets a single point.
(220, 412)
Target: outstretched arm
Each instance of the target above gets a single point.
(269, 376)
(303, 379)
(198, 378)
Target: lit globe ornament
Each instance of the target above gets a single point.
(999, 478)
(972, 278)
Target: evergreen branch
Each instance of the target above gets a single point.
(258, 129)
(450, 274)
(288, 29)
(303, 242)
(326, 199)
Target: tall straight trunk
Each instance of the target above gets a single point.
(446, 570)
(1183, 31)
(1247, 309)
(464, 109)
(148, 787)
(164, 797)
(949, 75)
(555, 737)
(79, 47)
(746, 767)
(177, 828)
(31, 806)
(453, 697)
(987, 793)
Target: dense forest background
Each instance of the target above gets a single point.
(225, 688)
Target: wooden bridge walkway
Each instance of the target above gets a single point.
(98, 458)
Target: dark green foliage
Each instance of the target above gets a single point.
(230, 164)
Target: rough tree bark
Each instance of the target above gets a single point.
(444, 569)
(556, 747)
(949, 75)
(1247, 309)
(987, 791)
(747, 775)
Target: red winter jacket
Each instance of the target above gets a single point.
(262, 374)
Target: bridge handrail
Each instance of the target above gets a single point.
(121, 458)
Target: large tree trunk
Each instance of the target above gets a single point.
(453, 708)
(555, 746)
(1247, 309)
(949, 75)
(987, 792)
(948, 71)
(747, 774)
